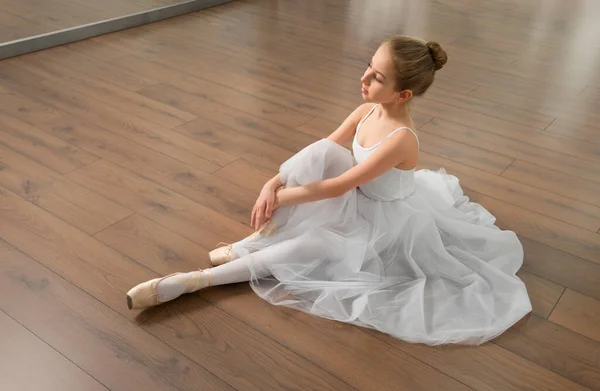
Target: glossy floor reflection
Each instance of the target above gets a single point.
(25, 19)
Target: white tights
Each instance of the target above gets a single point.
(257, 264)
(237, 270)
(174, 286)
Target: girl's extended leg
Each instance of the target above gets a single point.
(258, 264)
(163, 289)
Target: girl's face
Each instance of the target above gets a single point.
(379, 79)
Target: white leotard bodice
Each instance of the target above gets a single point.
(394, 184)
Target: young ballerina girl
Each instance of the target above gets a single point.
(366, 239)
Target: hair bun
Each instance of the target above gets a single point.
(440, 58)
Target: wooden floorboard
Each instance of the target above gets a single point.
(131, 155)
(32, 364)
(80, 207)
(117, 353)
(562, 268)
(579, 313)
(556, 348)
(551, 160)
(52, 152)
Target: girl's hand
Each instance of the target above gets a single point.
(263, 209)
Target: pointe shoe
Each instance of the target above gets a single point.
(224, 254)
(144, 295)
(221, 255)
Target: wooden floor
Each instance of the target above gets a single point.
(26, 18)
(129, 156)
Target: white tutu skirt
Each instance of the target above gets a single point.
(431, 268)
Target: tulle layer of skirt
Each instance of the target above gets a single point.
(431, 268)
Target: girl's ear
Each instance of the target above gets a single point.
(404, 96)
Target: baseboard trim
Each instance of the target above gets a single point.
(78, 33)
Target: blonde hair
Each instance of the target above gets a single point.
(416, 62)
